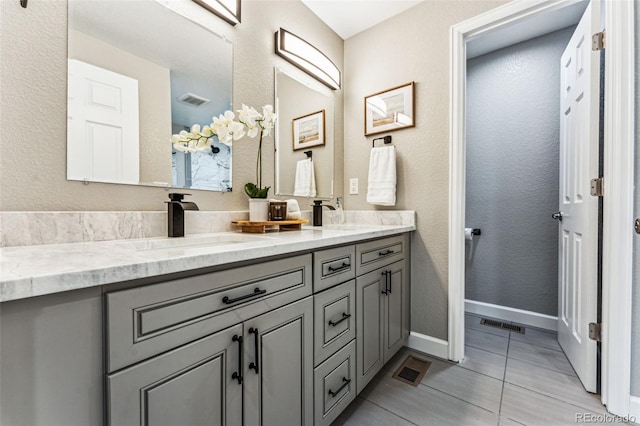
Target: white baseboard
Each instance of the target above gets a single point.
(634, 408)
(532, 319)
(429, 345)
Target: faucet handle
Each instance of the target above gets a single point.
(176, 196)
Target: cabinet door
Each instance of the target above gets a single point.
(394, 308)
(278, 377)
(191, 385)
(369, 325)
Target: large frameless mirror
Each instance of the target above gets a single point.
(138, 73)
(304, 137)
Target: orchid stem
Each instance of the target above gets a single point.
(259, 163)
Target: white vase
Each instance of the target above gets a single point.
(258, 209)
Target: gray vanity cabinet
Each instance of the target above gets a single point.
(382, 306)
(278, 372)
(233, 347)
(191, 385)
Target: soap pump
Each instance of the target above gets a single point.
(339, 210)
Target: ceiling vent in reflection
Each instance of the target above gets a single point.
(193, 100)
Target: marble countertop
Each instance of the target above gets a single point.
(28, 271)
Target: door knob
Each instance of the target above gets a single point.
(557, 216)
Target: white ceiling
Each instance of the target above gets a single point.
(349, 17)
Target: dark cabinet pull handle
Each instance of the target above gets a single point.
(339, 268)
(237, 375)
(386, 285)
(345, 316)
(389, 282)
(255, 365)
(345, 383)
(384, 253)
(256, 292)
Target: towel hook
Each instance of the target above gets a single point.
(309, 154)
(386, 139)
(23, 3)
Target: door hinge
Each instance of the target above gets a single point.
(597, 41)
(595, 331)
(597, 187)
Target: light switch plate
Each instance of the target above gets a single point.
(353, 186)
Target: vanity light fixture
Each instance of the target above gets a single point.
(307, 57)
(229, 10)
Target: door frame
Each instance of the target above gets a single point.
(618, 200)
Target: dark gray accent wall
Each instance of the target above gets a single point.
(513, 125)
(635, 328)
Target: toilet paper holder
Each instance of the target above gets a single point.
(469, 233)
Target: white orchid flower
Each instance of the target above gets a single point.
(195, 129)
(207, 132)
(253, 131)
(248, 115)
(180, 147)
(237, 130)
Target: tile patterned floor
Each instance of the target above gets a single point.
(506, 378)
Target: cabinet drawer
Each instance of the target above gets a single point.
(335, 385)
(333, 266)
(376, 254)
(145, 321)
(334, 319)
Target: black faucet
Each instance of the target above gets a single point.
(317, 211)
(176, 213)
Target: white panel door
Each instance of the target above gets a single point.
(103, 142)
(578, 251)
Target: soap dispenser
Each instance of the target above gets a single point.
(339, 210)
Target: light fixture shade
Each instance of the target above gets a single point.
(308, 58)
(229, 10)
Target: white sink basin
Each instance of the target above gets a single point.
(345, 227)
(193, 242)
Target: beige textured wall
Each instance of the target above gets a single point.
(412, 46)
(33, 58)
(154, 88)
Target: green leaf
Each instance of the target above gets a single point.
(252, 190)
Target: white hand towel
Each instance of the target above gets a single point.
(305, 185)
(382, 176)
(293, 210)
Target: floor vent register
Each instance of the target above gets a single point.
(503, 325)
(412, 370)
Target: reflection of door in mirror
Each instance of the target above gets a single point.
(102, 125)
(130, 39)
(300, 101)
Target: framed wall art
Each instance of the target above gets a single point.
(389, 110)
(308, 130)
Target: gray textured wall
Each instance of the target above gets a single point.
(513, 127)
(635, 330)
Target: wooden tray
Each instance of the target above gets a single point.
(260, 227)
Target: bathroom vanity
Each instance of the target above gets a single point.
(283, 329)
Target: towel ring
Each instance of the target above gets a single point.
(386, 139)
